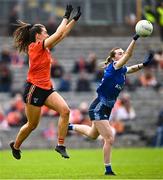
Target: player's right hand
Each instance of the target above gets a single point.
(68, 11)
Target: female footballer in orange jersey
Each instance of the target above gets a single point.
(35, 41)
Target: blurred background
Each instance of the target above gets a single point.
(137, 118)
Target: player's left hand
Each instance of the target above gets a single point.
(78, 14)
(148, 58)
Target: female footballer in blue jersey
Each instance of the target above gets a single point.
(111, 85)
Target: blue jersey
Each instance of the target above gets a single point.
(111, 85)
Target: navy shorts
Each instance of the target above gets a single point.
(35, 95)
(99, 111)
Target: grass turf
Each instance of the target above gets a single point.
(141, 163)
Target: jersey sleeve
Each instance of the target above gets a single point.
(123, 68)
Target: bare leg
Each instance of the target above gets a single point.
(33, 117)
(87, 130)
(105, 131)
(57, 103)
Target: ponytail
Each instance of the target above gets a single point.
(25, 34)
(108, 60)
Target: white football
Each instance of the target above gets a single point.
(144, 28)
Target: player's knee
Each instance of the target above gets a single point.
(65, 112)
(109, 139)
(112, 140)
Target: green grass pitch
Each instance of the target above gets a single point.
(139, 163)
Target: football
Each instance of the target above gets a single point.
(144, 28)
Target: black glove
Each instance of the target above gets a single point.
(148, 58)
(68, 11)
(135, 37)
(78, 14)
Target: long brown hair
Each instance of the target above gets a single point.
(111, 55)
(25, 34)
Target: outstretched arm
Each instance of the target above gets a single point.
(148, 58)
(134, 68)
(128, 53)
(60, 30)
(69, 26)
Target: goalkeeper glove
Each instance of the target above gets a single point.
(78, 14)
(68, 11)
(148, 58)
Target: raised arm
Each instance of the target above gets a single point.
(148, 58)
(128, 53)
(60, 30)
(69, 26)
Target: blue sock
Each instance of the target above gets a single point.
(108, 168)
(70, 126)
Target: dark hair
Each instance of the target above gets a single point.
(111, 55)
(25, 34)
